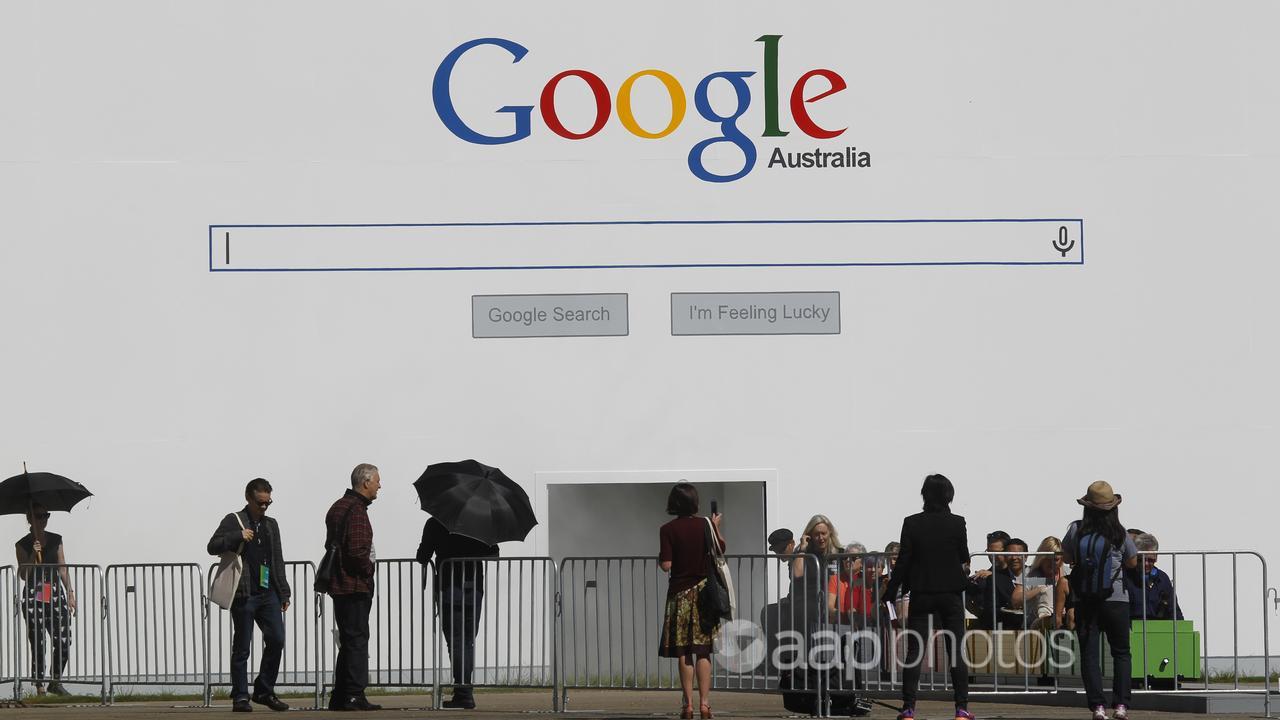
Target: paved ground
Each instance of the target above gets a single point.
(616, 705)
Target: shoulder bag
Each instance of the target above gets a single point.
(716, 601)
(332, 557)
(222, 589)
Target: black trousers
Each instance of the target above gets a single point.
(351, 668)
(946, 611)
(460, 607)
(1093, 619)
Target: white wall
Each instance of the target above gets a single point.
(130, 127)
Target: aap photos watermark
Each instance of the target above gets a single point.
(742, 647)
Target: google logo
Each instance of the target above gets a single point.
(606, 103)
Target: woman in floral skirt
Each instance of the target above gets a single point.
(684, 555)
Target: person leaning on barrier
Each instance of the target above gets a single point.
(819, 539)
(901, 603)
(1012, 613)
(782, 542)
(777, 617)
(684, 553)
(932, 565)
(1042, 596)
(997, 591)
(1097, 548)
(459, 595)
(1161, 601)
(48, 600)
(262, 597)
(981, 579)
(351, 587)
(851, 589)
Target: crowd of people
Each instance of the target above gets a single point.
(1090, 581)
(1094, 581)
(1021, 589)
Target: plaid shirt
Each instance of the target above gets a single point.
(355, 573)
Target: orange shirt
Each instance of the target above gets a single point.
(858, 600)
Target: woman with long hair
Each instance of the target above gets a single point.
(932, 566)
(1098, 547)
(683, 553)
(1045, 601)
(819, 539)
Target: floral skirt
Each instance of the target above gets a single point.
(682, 631)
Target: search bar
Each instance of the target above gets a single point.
(644, 244)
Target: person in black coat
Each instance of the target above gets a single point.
(261, 598)
(932, 566)
(459, 597)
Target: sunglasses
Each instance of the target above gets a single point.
(41, 516)
(263, 505)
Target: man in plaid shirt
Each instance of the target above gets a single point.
(351, 587)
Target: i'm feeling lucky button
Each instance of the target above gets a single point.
(783, 313)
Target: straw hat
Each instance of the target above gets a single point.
(1100, 496)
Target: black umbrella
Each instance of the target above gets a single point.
(475, 500)
(54, 492)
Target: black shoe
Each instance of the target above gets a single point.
(362, 703)
(460, 702)
(56, 688)
(342, 703)
(271, 701)
(241, 706)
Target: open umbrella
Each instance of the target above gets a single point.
(476, 500)
(54, 492)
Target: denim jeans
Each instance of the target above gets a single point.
(1093, 618)
(264, 610)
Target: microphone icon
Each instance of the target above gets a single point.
(1064, 243)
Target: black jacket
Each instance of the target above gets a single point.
(227, 538)
(932, 559)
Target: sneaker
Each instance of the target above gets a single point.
(56, 688)
(1122, 711)
(1099, 713)
(907, 713)
(963, 714)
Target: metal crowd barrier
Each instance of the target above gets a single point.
(1184, 668)
(1199, 663)
(8, 628)
(156, 616)
(512, 607)
(401, 626)
(303, 663)
(612, 621)
(597, 622)
(871, 650)
(1010, 639)
(55, 643)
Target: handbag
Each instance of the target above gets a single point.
(222, 590)
(332, 558)
(716, 600)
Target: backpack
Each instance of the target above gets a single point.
(1095, 570)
